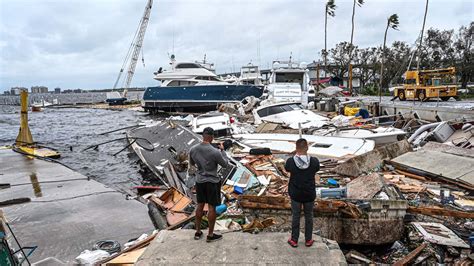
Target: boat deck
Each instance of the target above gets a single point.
(67, 213)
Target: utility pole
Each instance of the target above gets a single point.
(421, 37)
(350, 79)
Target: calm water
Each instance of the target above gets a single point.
(76, 128)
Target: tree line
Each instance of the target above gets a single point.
(383, 66)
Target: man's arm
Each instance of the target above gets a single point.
(191, 161)
(221, 158)
(287, 165)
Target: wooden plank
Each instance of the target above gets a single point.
(127, 258)
(437, 211)
(411, 256)
(283, 203)
(418, 177)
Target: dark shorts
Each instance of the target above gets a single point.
(209, 193)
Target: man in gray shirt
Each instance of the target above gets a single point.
(208, 184)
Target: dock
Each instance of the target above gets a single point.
(179, 247)
(68, 212)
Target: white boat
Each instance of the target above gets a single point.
(194, 86)
(319, 146)
(381, 135)
(289, 114)
(220, 122)
(289, 82)
(250, 75)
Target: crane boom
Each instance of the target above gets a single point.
(135, 48)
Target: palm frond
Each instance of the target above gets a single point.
(331, 8)
(393, 21)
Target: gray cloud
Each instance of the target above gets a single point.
(81, 44)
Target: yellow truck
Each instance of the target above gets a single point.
(425, 84)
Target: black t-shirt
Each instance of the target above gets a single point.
(302, 186)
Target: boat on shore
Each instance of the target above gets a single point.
(289, 114)
(320, 146)
(289, 82)
(381, 135)
(193, 86)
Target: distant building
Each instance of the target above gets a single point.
(57, 90)
(77, 91)
(39, 89)
(6, 92)
(67, 91)
(17, 90)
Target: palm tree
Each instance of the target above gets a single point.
(421, 36)
(359, 3)
(330, 10)
(392, 22)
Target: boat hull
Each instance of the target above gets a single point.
(196, 98)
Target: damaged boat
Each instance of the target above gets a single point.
(380, 135)
(320, 146)
(289, 114)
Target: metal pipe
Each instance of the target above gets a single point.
(421, 130)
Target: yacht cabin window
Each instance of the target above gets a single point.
(181, 83)
(187, 65)
(289, 78)
(206, 78)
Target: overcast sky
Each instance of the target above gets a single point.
(82, 43)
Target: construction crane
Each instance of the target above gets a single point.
(133, 54)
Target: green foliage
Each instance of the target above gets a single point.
(331, 8)
(393, 22)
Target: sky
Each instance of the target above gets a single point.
(82, 43)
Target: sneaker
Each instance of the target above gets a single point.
(309, 243)
(198, 235)
(214, 237)
(292, 243)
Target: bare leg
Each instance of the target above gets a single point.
(211, 217)
(199, 214)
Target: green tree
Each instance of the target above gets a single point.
(464, 53)
(392, 22)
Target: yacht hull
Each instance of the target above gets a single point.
(196, 98)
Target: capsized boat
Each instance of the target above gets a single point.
(289, 114)
(193, 86)
(320, 146)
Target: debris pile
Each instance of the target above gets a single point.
(371, 179)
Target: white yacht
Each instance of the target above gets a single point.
(289, 82)
(193, 86)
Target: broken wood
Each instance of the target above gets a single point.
(418, 177)
(411, 256)
(437, 211)
(283, 203)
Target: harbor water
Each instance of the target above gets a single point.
(71, 130)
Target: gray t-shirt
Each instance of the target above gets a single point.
(206, 158)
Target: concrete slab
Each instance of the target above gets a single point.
(179, 247)
(450, 166)
(67, 213)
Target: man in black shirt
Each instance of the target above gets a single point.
(302, 190)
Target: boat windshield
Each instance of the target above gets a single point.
(187, 65)
(289, 78)
(273, 110)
